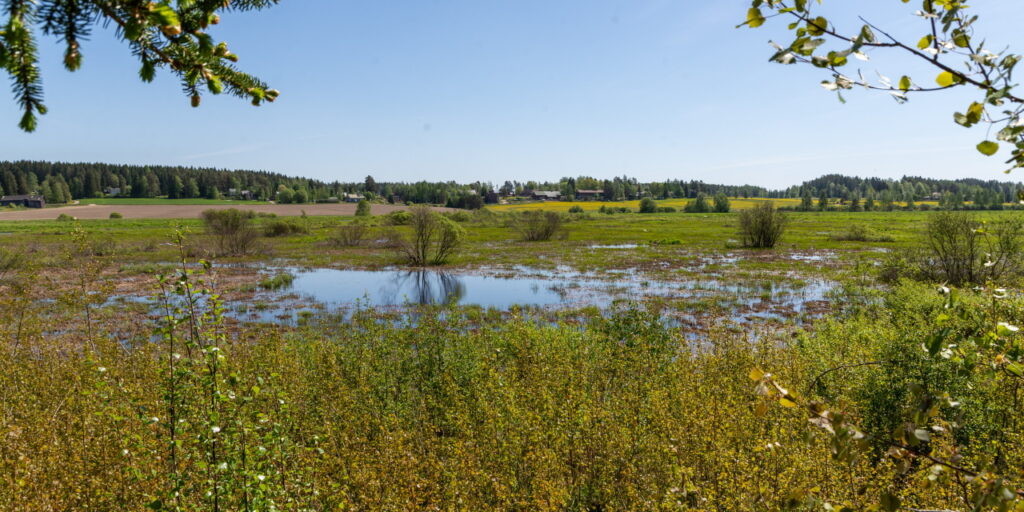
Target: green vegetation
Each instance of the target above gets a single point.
(432, 240)
(363, 208)
(232, 231)
(539, 226)
(599, 409)
(762, 227)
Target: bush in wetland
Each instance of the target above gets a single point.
(398, 218)
(539, 225)
(278, 228)
(434, 238)
(648, 205)
(351, 234)
(363, 208)
(232, 231)
(959, 249)
(698, 205)
(722, 203)
(762, 226)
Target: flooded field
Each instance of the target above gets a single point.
(688, 302)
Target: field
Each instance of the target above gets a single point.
(608, 368)
(563, 206)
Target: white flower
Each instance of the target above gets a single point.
(215, 429)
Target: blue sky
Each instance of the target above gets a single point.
(532, 89)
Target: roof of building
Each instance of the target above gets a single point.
(21, 198)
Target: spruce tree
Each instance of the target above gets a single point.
(169, 35)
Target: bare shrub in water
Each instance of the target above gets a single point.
(434, 238)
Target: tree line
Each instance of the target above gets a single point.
(61, 182)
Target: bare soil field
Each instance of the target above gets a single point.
(189, 211)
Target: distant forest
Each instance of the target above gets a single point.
(61, 182)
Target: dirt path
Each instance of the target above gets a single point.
(188, 211)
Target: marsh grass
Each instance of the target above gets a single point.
(110, 408)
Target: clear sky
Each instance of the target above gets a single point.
(528, 89)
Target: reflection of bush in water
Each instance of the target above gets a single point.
(421, 288)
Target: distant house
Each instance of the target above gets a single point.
(246, 195)
(546, 195)
(112, 191)
(353, 198)
(589, 194)
(26, 201)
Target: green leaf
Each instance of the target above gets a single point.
(754, 17)
(817, 26)
(946, 79)
(988, 148)
(1015, 369)
(905, 83)
(889, 502)
(925, 42)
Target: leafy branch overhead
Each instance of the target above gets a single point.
(171, 35)
(948, 44)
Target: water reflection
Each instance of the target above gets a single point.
(403, 287)
(427, 287)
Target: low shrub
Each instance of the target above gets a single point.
(115, 215)
(459, 216)
(666, 209)
(859, 233)
(398, 218)
(762, 226)
(363, 208)
(232, 231)
(648, 205)
(539, 226)
(284, 228)
(351, 235)
(576, 209)
(959, 249)
(698, 205)
(65, 218)
(722, 204)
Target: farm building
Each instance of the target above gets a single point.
(589, 194)
(26, 201)
(353, 198)
(546, 195)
